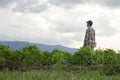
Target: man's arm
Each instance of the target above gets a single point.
(86, 38)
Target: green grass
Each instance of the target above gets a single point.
(56, 74)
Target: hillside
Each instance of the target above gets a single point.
(43, 47)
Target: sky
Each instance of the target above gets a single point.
(60, 22)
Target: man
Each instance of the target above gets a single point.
(89, 39)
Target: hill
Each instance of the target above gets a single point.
(14, 45)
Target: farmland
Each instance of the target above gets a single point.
(30, 63)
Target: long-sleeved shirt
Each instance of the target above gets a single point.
(89, 39)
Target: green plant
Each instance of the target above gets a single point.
(58, 56)
(99, 56)
(83, 56)
(109, 56)
(111, 69)
(31, 55)
(45, 58)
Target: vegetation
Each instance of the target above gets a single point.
(81, 65)
(49, 74)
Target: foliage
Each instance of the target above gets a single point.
(45, 58)
(49, 74)
(111, 69)
(83, 56)
(5, 52)
(30, 55)
(58, 56)
(108, 56)
(99, 55)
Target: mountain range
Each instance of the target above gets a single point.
(14, 45)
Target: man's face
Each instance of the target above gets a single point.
(88, 25)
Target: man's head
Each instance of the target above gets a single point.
(89, 23)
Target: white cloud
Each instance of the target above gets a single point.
(37, 6)
(34, 6)
(23, 6)
(5, 3)
(43, 22)
(69, 3)
(111, 42)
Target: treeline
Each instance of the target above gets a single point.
(30, 55)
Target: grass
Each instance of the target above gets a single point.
(56, 74)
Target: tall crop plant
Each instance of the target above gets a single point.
(58, 56)
(83, 56)
(31, 54)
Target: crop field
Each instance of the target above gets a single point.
(30, 63)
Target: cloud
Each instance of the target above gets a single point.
(65, 21)
(64, 2)
(109, 3)
(37, 6)
(33, 6)
(103, 24)
(5, 3)
(66, 27)
(56, 24)
(70, 24)
(69, 3)
(104, 28)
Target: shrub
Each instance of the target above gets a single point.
(109, 56)
(111, 69)
(31, 55)
(45, 58)
(58, 56)
(83, 56)
(99, 56)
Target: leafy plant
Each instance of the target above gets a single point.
(109, 56)
(99, 56)
(58, 56)
(31, 54)
(83, 56)
(45, 58)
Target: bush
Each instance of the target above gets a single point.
(111, 69)
(99, 56)
(109, 56)
(5, 52)
(30, 54)
(59, 57)
(45, 58)
(83, 56)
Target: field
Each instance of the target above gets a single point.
(50, 74)
(29, 63)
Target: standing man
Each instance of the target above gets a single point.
(89, 39)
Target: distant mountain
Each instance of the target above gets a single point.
(43, 47)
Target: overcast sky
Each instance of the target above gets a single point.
(60, 21)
